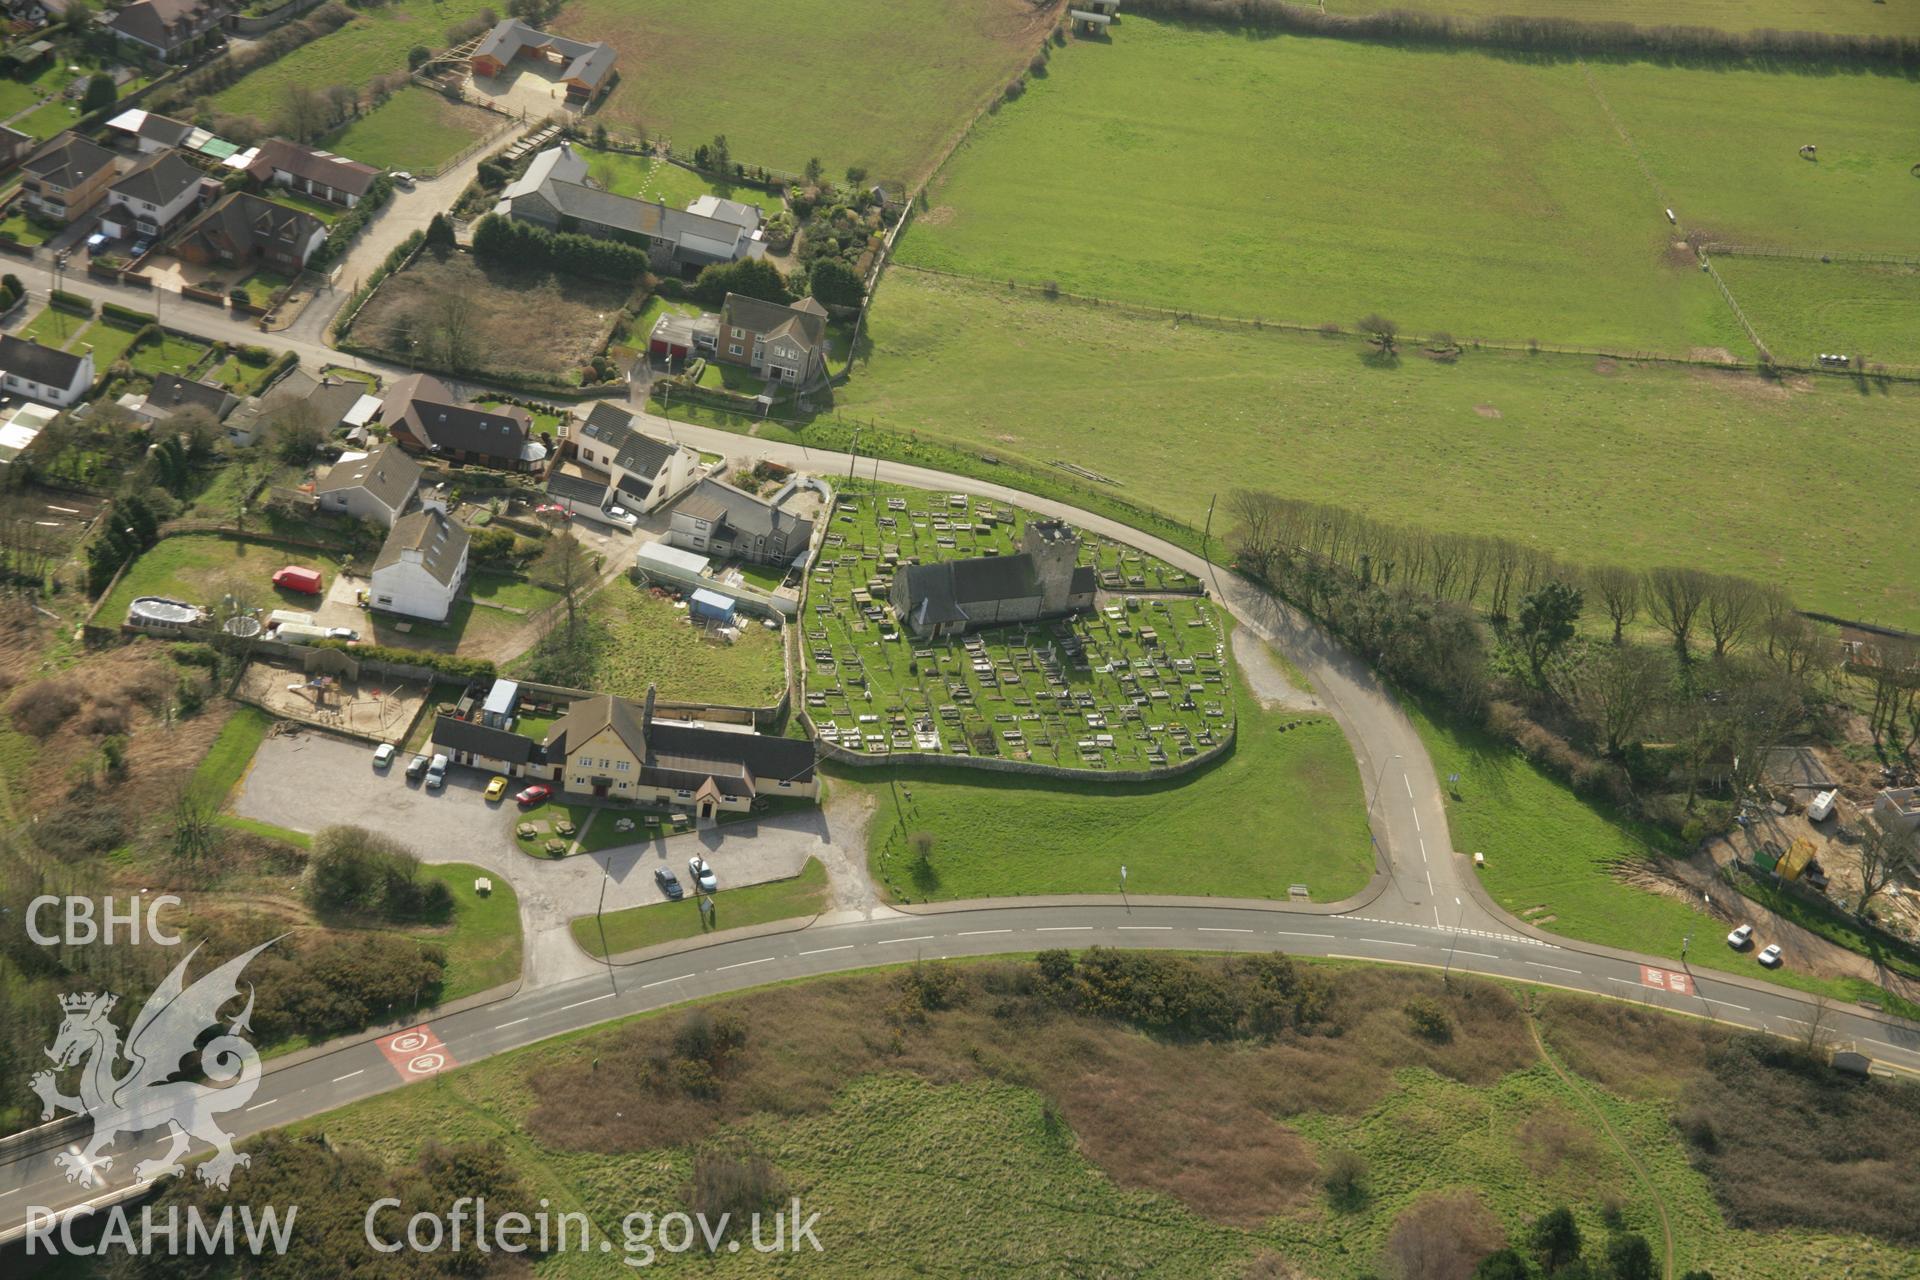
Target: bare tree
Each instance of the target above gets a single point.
(1733, 607)
(1617, 690)
(568, 567)
(1673, 597)
(1618, 591)
(304, 112)
(1256, 530)
(196, 826)
(455, 320)
(1381, 332)
(1888, 855)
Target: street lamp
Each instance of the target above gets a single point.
(1446, 975)
(1378, 778)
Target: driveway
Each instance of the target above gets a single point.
(312, 780)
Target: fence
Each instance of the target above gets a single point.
(1811, 255)
(1739, 314)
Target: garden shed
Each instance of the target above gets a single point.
(711, 606)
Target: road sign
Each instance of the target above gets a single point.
(1666, 980)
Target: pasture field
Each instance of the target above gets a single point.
(1594, 460)
(1725, 146)
(1839, 17)
(1514, 211)
(415, 129)
(1802, 307)
(907, 78)
(374, 43)
(1003, 1134)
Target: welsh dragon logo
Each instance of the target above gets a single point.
(147, 1095)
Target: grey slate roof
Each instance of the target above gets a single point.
(338, 172)
(423, 406)
(587, 61)
(561, 484)
(587, 717)
(387, 473)
(171, 392)
(612, 426)
(454, 734)
(806, 320)
(439, 540)
(724, 504)
(941, 592)
(561, 197)
(70, 163)
(160, 181)
(768, 758)
(243, 222)
(1084, 581)
(24, 358)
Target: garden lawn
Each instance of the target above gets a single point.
(1803, 308)
(47, 120)
(108, 341)
(663, 182)
(646, 641)
(1512, 212)
(1555, 860)
(483, 939)
(24, 229)
(1595, 461)
(510, 592)
(1282, 808)
(15, 97)
(225, 763)
(264, 286)
(636, 927)
(905, 80)
(169, 355)
(54, 327)
(416, 129)
(374, 43)
(191, 566)
(1847, 17)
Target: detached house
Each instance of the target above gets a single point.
(169, 29)
(68, 178)
(171, 393)
(585, 67)
(146, 132)
(425, 417)
(153, 197)
(319, 174)
(244, 228)
(721, 521)
(644, 471)
(421, 566)
(780, 342)
(54, 377)
(376, 486)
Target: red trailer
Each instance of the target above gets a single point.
(295, 578)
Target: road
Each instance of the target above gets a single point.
(350, 1074)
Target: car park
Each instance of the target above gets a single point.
(496, 788)
(1769, 956)
(668, 882)
(702, 872)
(383, 755)
(1740, 937)
(416, 767)
(533, 795)
(437, 773)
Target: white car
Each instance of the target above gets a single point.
(437, 772)
(383, 755)
(1770, 956)
(401, 178)
(1740, 937)
(702, 874)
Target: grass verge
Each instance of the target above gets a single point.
(636, 927)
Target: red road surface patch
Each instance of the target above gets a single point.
(416, 1053)
(1666, 980)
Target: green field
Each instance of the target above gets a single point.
(227, 760)
(1640, 465)
(1849, 17)
(1513, 212)
(1803, 308)
(651, 178)
(191, 566)
(735, 67)
(374, 43)
(415, 130)
(483, 939)
(646, 641)
(636, 927)
(1282, 808)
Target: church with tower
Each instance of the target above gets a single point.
(1044, 579)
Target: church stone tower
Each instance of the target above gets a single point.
(1055, 549)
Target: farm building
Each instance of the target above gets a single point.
(584, 67)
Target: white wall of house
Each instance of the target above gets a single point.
(406, 587)
(60, 397)
(318, 190)
(146, 217)
(361, 504)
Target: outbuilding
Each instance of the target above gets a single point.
(711, 606)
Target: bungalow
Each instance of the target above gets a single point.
(646, 472)
(425, 417)
(68, 178)
(585, 67)
(244, 228)
(721, 521)
(375, 486)
(788, 344)
(15, 146)
(155, 195)
(319, 174)
(951, 597)
(171, 393)
(58, 378)
(169, 29)
(421, 566)
(147, 132)
(487, 747)
(676, 240)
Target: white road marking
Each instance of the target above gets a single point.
(1408, 784)
(269, 1102)
(1423, 848)
(1728, 1003)
(1429, 876)
(918, 937)
(664, 981)
(723, 968)
(589, 1000)
(1388, 942)
(976, 933)
(516, 1022)
(1063, 928)
(1561, 968)
(1883, 1044)
(1284, 933)
(820, 951)
(1625, 982)
(350, 1075)
(1477, 954)
(4, 1194)
(1212, 929)
(1145, 928)
(1416, 821)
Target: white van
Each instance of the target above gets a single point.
(1822, 807)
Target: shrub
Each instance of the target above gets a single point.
(499, 239)
(126, 317)
(731, 1185)
(1344, 1178)
(40, 708)
(1429, 1019)
(354, 872)
(1630, 1257)
(65, 301)
(417, 55)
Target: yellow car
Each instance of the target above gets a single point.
(496, 789)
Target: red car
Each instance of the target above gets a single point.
(533, 795)
(295, 578)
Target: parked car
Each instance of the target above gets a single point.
(1770, 956)
(98, 241)
(496, 788)
(342, 633)
(383, 755)
(140, 247)
(533, 795)
(402, 179)
(416, 767)
(702, 873)
(1740, 937)
(437, 773)
(668, 882)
